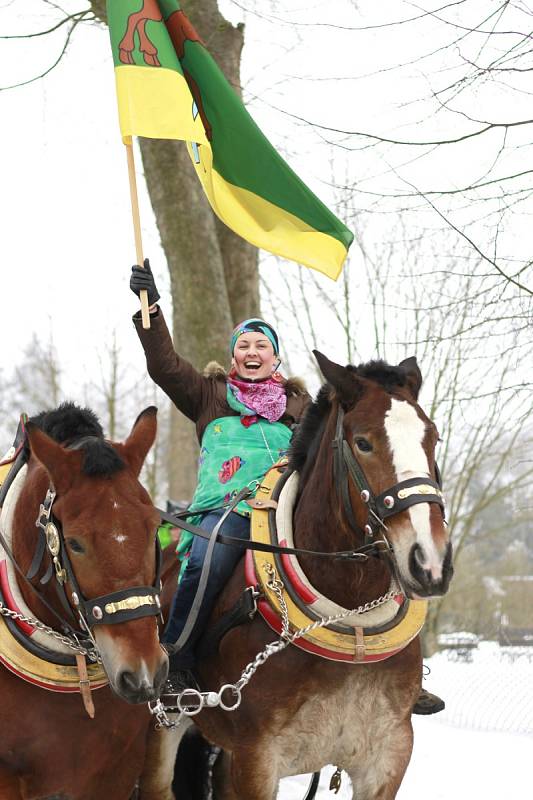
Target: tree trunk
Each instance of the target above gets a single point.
(213, 273)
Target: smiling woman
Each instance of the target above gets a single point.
(255, 349)
(244, 423)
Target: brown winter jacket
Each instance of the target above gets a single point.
(202, 398)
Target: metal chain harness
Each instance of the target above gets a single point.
(68, 641)
(213, 699)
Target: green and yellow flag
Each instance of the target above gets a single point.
(169, 87)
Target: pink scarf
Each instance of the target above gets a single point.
(267, 398)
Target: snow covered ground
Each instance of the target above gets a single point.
(480, 746)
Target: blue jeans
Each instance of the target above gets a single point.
(223, 562)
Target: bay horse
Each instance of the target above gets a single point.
(362, 444)
(96, 536)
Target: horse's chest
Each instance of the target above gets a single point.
(338, 729)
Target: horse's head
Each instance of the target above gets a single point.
(385, 453)
(107, 532)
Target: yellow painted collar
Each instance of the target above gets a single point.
(357, 645)
(36, 670)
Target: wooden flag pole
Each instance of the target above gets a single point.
(137, 227)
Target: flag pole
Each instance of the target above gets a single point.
(136, 226)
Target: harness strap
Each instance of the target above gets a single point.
(243, 611)
(365, 550)
(340, 473)
(37, 556)
(68, 629)
(204, 575)
(47, 575)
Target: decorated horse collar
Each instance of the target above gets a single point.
(373, 633)
(26, 650)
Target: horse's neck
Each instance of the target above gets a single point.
(24, 543)
(320, 524)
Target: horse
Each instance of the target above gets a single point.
(363, 444)
(84, 578)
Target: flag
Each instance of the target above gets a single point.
(169, 87)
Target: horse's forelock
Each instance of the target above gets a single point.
(385, 375)
(100, 458)
(68, 422)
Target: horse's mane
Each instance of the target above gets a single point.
(306, 440)
(69, 424)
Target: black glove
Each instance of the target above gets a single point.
(142, 278)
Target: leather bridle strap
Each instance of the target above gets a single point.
(397, 498)
(111, 609)
(116, 607)
(67, 629)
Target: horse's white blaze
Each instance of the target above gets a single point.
(405, 431)
(119, 537)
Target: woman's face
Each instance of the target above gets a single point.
(254, 356)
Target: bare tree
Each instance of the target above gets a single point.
(118, 396)
(441, 98)
(398, 304)
(36, 380)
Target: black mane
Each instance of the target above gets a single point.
(306, 440)
(69, 425)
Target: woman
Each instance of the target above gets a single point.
(244, 423)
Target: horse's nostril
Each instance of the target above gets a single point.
(418, 556)
(128, 682)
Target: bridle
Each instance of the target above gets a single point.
(109, 609)
(397, 498)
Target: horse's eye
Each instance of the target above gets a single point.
(75, 546)
(363, 445)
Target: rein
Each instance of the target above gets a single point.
(361, 553)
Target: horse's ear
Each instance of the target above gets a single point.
(413, 375)
(141, 438)
(61, 464)
(344, 380)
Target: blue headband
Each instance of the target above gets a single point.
(255, 325)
